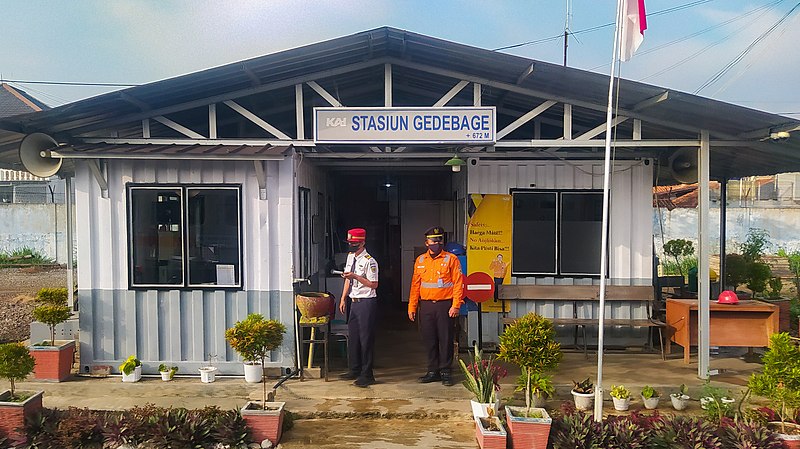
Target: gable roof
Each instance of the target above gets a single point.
(424, 68)
(15, 101)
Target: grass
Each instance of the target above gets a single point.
(27, 256)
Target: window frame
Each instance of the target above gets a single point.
(184, 188)
(558, 233)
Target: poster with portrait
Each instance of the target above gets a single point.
(489, 241)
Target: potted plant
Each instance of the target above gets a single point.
(208, 373)
(716, 402)
(680, 399)
(621, 397)
(167, 372)
(650, 397)
(16, 363)
(780, 383)
(583, 394)
(131, 369)
(53, 358)
(489, 431)
(529, 342)
(482, 379)
(242, 340)
(265, 420)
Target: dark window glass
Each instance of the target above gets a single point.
(581, 223)
(213, 223)
(156, 236)
(534, 233)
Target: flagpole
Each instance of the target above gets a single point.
(598, 386)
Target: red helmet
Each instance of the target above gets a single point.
(728, 297)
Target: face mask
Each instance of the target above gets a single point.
(435, 248)
(353, 247)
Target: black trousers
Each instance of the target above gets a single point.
(437, 333)
(361, 339)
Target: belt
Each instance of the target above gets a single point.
(436, 300)
(361, 299)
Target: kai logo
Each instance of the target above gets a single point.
(333, 122)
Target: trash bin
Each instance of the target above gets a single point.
(692, 285)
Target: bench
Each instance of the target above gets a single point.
(580, 295)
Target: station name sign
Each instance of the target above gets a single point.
(412, 126)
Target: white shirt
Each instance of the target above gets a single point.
(365, 266)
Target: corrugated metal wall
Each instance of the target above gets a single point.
(182, 327)
(630, 243)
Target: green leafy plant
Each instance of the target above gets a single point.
(254, 338)
(52, 309)
(736, 270)
(780, 380)
(775, 288)
(16, 363)
(26, 256)
(717, 402)
(620, 392)
(541, 384)
(162, 368)
(583, 387)
(794, 267)
(129, 365)
(679, 249)
(756, 242)
(682, 391)
(650, 392)
(529, 342)
(759, 274)
(482, 376)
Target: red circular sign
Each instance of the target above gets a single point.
(479, 287)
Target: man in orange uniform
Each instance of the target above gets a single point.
(437, 292)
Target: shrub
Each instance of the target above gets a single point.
(16, 363)
(129, 365)
(780, 380)
(679, 249)
(52, 309)
(254, 338)
(529, 342)
(25, 255)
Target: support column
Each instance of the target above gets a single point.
(70, 281)
(703, 280)
(723, 217)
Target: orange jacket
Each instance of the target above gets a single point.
(436, 278)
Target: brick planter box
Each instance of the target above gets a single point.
(490, 439)
(13, 414)
(264, 424)
(53, 362)
(528, 433)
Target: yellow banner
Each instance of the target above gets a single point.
(489, 241)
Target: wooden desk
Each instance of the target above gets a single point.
(746, 324)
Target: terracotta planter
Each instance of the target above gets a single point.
(490, 439)
(13, 414)
(527, 433)
(789, 441)
(53, 362)
(264, 424)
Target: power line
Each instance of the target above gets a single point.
(747, 50)
(598, 27)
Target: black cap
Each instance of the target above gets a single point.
(435, 232)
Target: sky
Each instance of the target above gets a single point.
(687, 43)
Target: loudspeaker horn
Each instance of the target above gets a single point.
(34, 152)
(683, 165)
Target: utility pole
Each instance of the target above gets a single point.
(567, 22)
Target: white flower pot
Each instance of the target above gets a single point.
(166, 376)
(253, 372)
(135, 376)
(479, 409)
(583, 401)
(650, 403)
(207, 374)
(621, 404)
(679, 402)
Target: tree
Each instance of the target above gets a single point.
(679, 249)
(16, 363)
(254, 338)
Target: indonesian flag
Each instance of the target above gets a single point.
(634, 22)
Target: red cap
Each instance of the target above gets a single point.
(356, 235)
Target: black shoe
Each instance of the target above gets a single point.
(447, 379)
(348, 376)
(429, 377)
(363, 382)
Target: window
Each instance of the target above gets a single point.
(185, 236)
(556, 233)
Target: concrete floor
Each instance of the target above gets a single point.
(439, 416)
